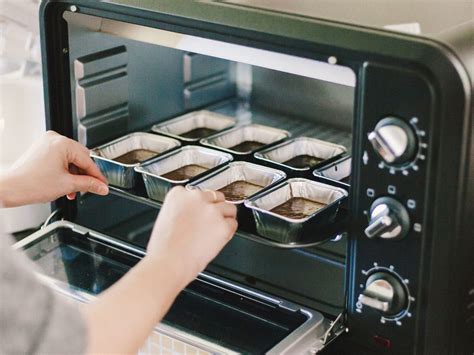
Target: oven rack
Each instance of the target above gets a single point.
(297, 127)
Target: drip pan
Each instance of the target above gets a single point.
(178, 168)
(117, 159)
(288, 212)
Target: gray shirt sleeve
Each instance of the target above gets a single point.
(33, 318)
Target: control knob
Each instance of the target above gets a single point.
(385, 293)
(389, 219)
(394, 140)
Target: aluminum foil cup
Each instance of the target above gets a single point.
(288, 230)
(156, 173)
(339, 170)
(246, 135)
(239, 171)
(301, 154)
(195, 125)
(122, 174)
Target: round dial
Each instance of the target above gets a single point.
(394, 141)
(389, 219)
(384, 293)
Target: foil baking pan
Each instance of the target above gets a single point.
(246, 139)
(257, 175)
(301, 154)
(123, 174)
(284, 229)
(194, 125)
(340, 170)
(178, 168)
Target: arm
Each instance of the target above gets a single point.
(124, 315)
(53, 167)
(192, 227)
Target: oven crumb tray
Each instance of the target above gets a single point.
(222, 315)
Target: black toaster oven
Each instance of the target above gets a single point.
(391, 273)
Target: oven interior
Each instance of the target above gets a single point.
(125, 83)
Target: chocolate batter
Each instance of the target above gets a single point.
(239, 190)
(303, 161)
(199, 132)
(297, 208)
(135, 156)
(185, 172)
(247, 146)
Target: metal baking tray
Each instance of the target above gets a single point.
(339, 170)
(310, 152)
(228, 140)
(239, 171)
(180, 126)
(288, 230)
(157, 185)
(121, 174)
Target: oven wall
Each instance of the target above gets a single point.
(313, 100)
(119, 85)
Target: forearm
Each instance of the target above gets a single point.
(10, 193)
(123, 316)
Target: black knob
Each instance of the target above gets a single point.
(394, 140)
(389, 219)
(385, 293)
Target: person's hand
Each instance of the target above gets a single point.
(54, 166)
(191, 229)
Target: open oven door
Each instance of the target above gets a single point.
(210, 316)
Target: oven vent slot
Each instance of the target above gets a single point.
(101, 95)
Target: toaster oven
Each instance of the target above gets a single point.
(392, 272)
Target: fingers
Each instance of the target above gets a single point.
(227, 209)
(71, 196)
(232, 225)
(79, 156)
(86, 183)
(214, 196)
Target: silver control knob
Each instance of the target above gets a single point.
(384, 293)
(389, 219)
(394, 140)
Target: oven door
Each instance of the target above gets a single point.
(210, 316)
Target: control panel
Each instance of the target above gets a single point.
(389, 186)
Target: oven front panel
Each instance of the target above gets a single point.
(408, 131)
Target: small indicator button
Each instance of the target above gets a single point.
(411, 204)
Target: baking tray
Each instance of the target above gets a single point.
(339, 170)
(301, 154)
(157, 185)
(180, 126)
(229, 140)
(288, 230)
(238, 171)
(121, 174)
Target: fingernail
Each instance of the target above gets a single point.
(103, 190)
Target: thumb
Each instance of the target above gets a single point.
(85, 183)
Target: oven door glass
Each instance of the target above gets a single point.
(209, 309)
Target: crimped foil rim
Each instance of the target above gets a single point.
(94, 151)
(249, 203)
